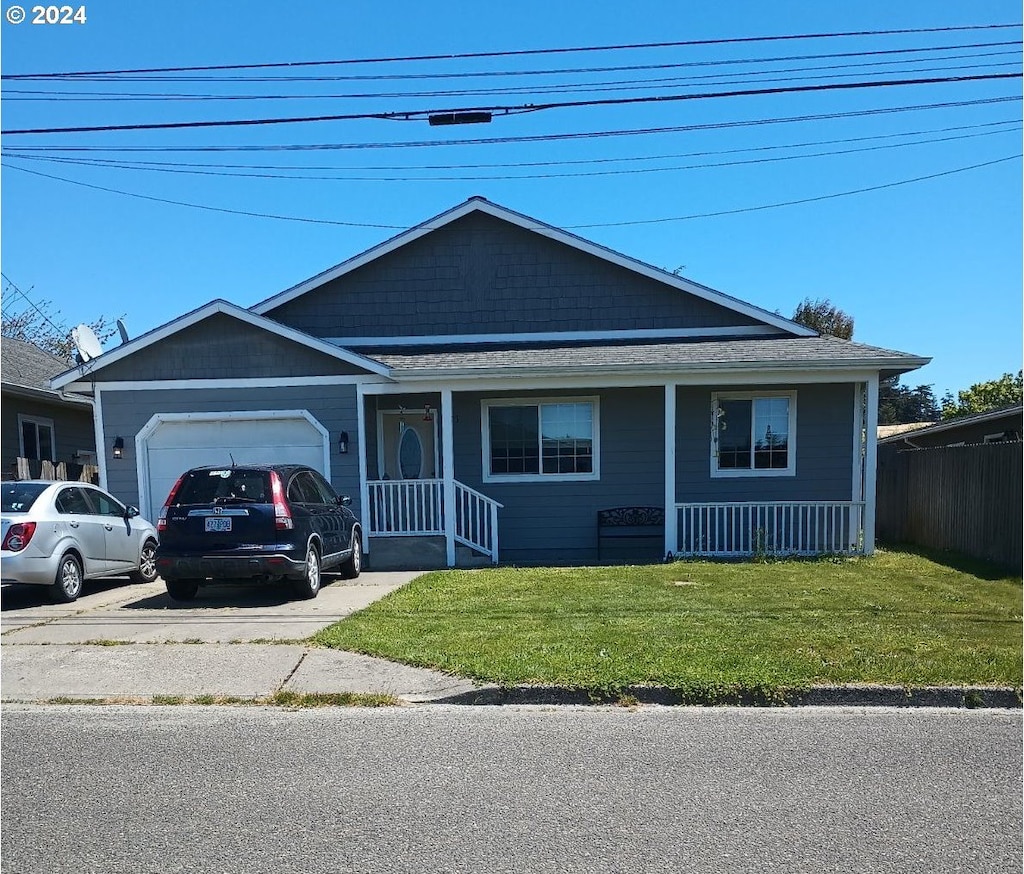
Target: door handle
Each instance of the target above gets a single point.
(73, 524)
(109, 527)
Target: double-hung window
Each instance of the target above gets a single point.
(753, 434)
(540, 439)
(36, 438)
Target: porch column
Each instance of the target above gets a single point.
(671, 516)
(448, 467)
(364, 488)
(857, 485)
(870, 464)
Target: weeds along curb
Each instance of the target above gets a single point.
(816, 696)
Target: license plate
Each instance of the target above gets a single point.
(218, 523)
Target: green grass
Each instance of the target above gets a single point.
(705, 628)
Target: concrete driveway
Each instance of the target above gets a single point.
(112, 611)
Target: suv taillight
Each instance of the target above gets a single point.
(161, 522)
(282, 512)
(18, 536)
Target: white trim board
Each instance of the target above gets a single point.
(479, 204)
(557, 336)
(275, 382)
(212, 308)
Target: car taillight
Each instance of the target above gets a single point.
(18, 536)
(161, 522)
(282, 512)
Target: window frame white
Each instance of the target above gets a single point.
(37, 421)
(538, 402)
(733, 472)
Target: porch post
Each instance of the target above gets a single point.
(448, 465)
(364, 488)
(671, 516)
(870, 464)
(857, 485)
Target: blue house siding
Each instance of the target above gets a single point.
(125, 413)
(556, 522)
(824, 453)
(481, 275)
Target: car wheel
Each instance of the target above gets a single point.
(354, 565)
(182, 590)
(309, 584)
(67, 585)
(147, 564)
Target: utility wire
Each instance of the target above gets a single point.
(409, 115)
(514, 53)
(144, 165)
(535, 138)
(299, 176)
(590, 225)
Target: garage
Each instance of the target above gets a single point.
(171, 443)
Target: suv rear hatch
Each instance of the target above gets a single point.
(221, 510)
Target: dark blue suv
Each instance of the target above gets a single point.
(255, 522)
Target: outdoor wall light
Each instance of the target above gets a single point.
(427, 417)
(119, 447)
(343, 442)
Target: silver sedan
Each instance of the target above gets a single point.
(58, 534)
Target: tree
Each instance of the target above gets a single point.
(900, 404)
(42, 325)
(826, 318)
(983, 396)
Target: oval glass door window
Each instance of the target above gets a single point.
(410, 454)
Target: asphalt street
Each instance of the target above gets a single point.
(513, 789)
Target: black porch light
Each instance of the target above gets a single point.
(119, 447)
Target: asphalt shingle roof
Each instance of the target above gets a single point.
(26, 365)
(708, 354)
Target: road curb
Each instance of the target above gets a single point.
(964, 697)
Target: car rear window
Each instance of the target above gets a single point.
(211, 486)
(19, 497)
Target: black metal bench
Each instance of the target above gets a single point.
(631, 534)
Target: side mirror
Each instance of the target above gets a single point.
(344, 500)
(131, 512)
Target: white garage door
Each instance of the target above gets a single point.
(173, 447)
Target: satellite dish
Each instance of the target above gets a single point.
(86, 343)
(122, 330)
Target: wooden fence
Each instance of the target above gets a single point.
(962, 498)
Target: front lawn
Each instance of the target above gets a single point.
(703, 627)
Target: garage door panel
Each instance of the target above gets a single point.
(177, 446)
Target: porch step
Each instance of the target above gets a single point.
(467, 557)
(407, 553)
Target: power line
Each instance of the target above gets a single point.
(534, 138)
(590, 225)
(512, 53)
(298, 176)
(420, 114)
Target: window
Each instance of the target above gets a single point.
(74, 501)
(36, 438)
(549, 439)
(106, 506)
(753, 434)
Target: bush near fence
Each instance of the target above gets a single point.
(967, 499)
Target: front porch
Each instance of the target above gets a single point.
(430, 499)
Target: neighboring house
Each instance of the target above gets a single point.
(40, 423)
(994, 426)
(486, 384)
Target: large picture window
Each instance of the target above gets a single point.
(753, 434)
(549, 439)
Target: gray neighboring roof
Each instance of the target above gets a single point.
(782, 352)
(960, 422)
(26, 369)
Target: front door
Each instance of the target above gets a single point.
(407, 445)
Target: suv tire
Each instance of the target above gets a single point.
(353, 565)
(182, 590)
(308, 585)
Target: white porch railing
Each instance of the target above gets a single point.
(780, 528)
(415, 508)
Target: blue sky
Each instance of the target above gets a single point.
(932, 267)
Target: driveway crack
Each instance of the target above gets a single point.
(291, 673)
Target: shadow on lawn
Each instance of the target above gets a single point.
(976, 567)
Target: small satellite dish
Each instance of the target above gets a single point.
(122, 330)
(86, 343)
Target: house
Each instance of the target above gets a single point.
(1004, 425)
(484, 384)
(41, 424)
